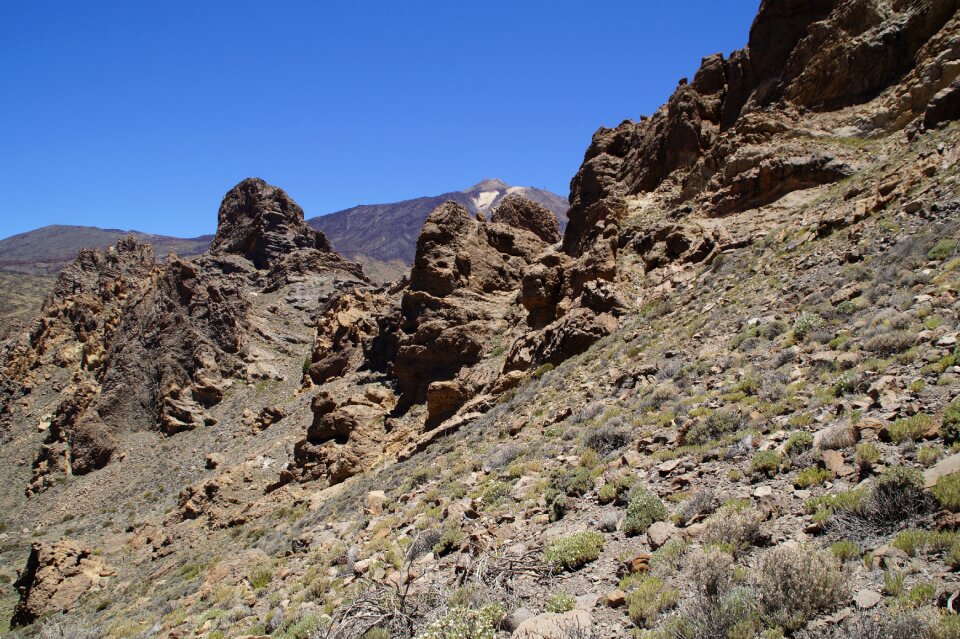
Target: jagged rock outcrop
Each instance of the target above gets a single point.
(463, 276)
(347, 333)
(816, 54)
(77, 327)
(154, 347)
(519, 212)
(344, 438)
(54, 579)
(570, 295)
(179, 344)
(263, 224)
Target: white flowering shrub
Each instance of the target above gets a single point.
(463, 623)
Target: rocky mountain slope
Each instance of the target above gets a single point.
(383, 237)
(379, 236)
(30, 261)
(726, 404)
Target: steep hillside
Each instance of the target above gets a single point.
(727, 404)
(383, 237)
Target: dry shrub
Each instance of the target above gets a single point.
(795, 584)
(734, 530)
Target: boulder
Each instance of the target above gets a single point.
(550, 625)
(54, 579)
(519, 212)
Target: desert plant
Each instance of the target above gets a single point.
(867, 455)
(449, 541)
(942, 250)
(607, 439)
(929, 454)
(891, 343)
(766, 463)
(805, 324)
(950, 430)
(947, 492)
(798, 443)
(699, 503)
(713, 426)
(463, 623)
(910, 428)
(797, 583)
(575, 551)
(560, 602)
(643, 509)
(811, 477)
(845, 550)
(733, 528)
(895, 497)
(649, 599)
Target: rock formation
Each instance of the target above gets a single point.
(54, 579)
(463, 274)
(753, 320)
(156, 346)
(519, 212)
(263, 224)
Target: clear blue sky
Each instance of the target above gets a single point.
(143, 114)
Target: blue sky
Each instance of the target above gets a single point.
(143, 114)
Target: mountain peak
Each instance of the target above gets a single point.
(488, 184)
(262, 223)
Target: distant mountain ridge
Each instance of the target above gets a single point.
(383, 237)
(45, 251)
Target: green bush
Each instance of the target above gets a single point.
(947, 492)
(713, 427)
(607, 494)
(811, 477)
(560, 602)
(950, 430)
(929, 454)
(541, 371)
(798, 443)
(797, 584)
(910, 428)
(766, 462)
(649, 599)
(887, 344)
(942, 250)
(867, 455)
(845, 550)
(566, 482)
(643, 509)
(260, 577)
(449, 541)
(575, 551)
(616, 491)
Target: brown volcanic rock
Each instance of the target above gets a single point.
(519, 212)
(262, 223)
(343, 440)
(347, 333)
(54, 579)
(820, 54)
(176, 344)
(154, 347)
(463, 272)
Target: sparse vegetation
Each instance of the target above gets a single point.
(574, 552)
(643, 509)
